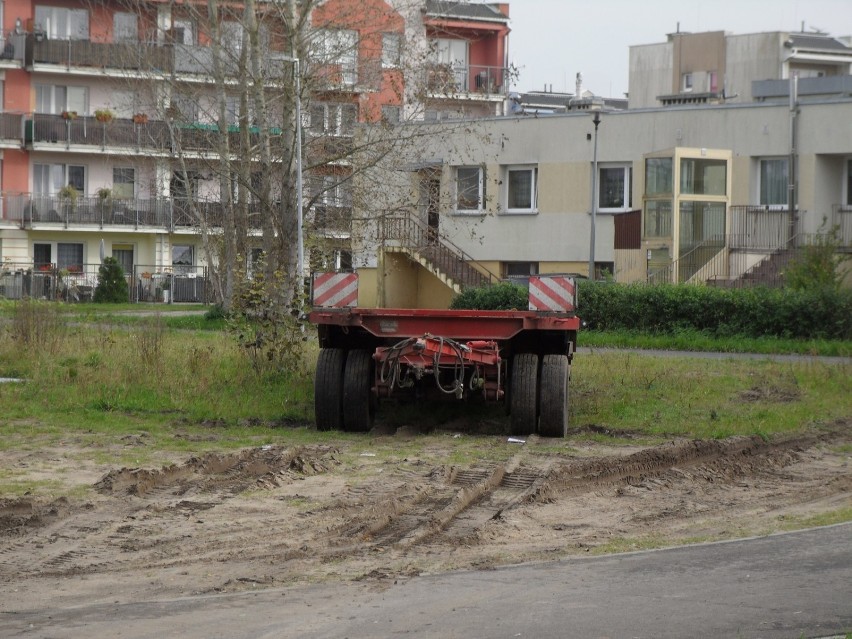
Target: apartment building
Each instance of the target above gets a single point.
(129, 129)
(717, 67)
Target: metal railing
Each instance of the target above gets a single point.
(444, 256)
(77, 283)
(12, 128)
(450, 79)
(31, 211)
(156, 58)
(127, 134)
(12, 48)
(762, 227)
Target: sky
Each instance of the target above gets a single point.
(552, 40)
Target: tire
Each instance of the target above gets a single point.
(328, 389)
(359, 406)
(554, 396)
(523, 398)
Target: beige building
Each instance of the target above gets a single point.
(682, 193)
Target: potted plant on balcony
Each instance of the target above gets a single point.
(69, 115)
(104, 115)
(140, 118)
(68, 197)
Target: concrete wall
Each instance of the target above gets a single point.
(755, 56)
(649, 74)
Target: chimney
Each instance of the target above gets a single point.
(578, 88)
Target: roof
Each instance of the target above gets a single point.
(464, 11)
(817, 42)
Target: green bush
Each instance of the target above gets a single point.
(504, 296)
(819, 313)
(112, 287)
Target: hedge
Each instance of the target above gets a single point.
(820, 313)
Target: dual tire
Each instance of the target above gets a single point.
(343, 399)
(538, 397)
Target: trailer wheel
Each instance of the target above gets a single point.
(554, 396)
(359, 406)
(523, 398)
(328, 389)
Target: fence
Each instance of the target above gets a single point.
(179, 284)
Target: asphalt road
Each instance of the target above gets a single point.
(783, 586)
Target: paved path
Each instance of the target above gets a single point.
(778, 587)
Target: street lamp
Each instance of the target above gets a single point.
(596, 120)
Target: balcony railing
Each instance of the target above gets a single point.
(143, 57)
(124, 133)
(450, 79)
(12, 128)
(11, 50)
(32, 211)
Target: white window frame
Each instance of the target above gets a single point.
(391, 50)
(480, 208)
(55, 169)
(334, 118)
(759, 182)
(531, 169)
(54, 253)
(180, 268)
(626, 182)
(62, 23)
(339, 46)
(847, 183)
(62, 98)
(687, 81)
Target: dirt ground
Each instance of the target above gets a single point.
(275, 516)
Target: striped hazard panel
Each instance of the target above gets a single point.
(335, 290)
(551, 293)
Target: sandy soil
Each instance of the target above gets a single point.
(274, 516)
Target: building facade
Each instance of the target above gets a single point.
(680, 194)
(129, 128)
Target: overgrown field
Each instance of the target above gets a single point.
(99, 383)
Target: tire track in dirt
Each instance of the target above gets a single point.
(202, 512)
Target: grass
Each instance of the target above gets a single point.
(688, 340)
(176, 390)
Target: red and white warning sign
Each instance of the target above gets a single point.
(551, 293)
(335, 290)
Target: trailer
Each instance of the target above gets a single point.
(521, 358)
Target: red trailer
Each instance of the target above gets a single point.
(521, 358)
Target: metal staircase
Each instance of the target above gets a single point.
(405, 233)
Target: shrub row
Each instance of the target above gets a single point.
(820, 313)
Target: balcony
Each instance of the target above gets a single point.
(152, 214)
(12, 51)
(46, 132)
(445, 80)
(137, 59)
(11, 130)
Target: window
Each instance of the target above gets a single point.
(125, 27)
(614, 187)
(521, 189)
(55, 99)
(62, 24)
(184, 107)
(331, 118)
(658, 218)
(233, 36)
(687, 82)
(390, 50)
(658, 176)
(339, 47)
(773, 182)
(183, 258)
(849, 183)
(701, 223)
(519, 269)
(470, 188)
(69, 256)
(123, 253)
(391, 114)
(48, 179)
(123, 183)
(712, 81)
(335, 192)
(703, 177)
